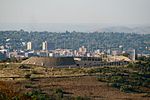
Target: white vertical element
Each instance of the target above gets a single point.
(133, 55)
(44, 45)
(29, 45)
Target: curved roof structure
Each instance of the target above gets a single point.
(50, 61)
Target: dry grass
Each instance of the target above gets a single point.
(85, 86)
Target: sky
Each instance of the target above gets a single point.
(75, 11)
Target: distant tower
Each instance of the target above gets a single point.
(133, 55)
(29, 45)
(44, 45)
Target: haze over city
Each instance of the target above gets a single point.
(78, 15)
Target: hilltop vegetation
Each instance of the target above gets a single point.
(73, 40)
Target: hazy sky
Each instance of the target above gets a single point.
(75, 11)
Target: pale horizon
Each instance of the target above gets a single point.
(75, 15)
(117, 12)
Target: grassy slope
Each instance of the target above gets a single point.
(97, 84)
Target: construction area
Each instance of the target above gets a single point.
(77, 61)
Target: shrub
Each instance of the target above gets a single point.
(117, 79)
(27, 76)
(24, 67)
(3, 96)
(82, 98)
(130, 65)
(36, 95)
(59, 93)
(115, 85)
(126, 88)
(146, 95)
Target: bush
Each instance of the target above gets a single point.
(24, 67)
(146, 83)
(115, 85)
(126, 88)
(146, 95)
(35, 72)
(59, 93)
(3, 96)
(131, 65)
(117, 79)
(36, 95)
(27, 76)
(82, 98)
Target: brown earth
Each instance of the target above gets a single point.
(86, 86)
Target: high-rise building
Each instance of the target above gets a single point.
(44, 45)
(133, 55)
(29, 45)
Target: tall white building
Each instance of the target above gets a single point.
(29, 45)
(44, 45)
(133, 55)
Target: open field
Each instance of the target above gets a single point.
(95, 83)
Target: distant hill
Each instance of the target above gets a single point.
(138, 30)
(83, 27)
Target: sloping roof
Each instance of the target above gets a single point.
(50, 61)
(118, 58)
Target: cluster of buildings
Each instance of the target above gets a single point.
(47, 52)
(68, 57)
(44, 46)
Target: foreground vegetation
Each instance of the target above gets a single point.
(29, 82)
(134, 78)
(8, 92)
